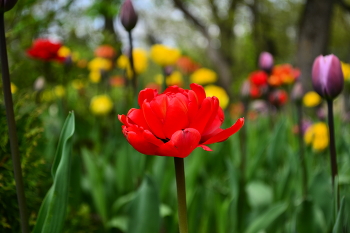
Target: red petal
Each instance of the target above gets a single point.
(223, 135)
(122, 119)
(199, 90)
(214, 112)
(181, 144)
(137, 140)
(176, 117)
(135, 116)
(200, 121)
(204, 147)
(215, 124)
(159, 106)
(192, 105)
(146, 94)
(152, 120)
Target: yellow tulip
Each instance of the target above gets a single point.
(59, 91)
(317, 136)
(219, 92)
(101, 105)
(311, 99)
(203, 76)
(346, 71)
(99, 63)
(13, 88)
(164, 55)
(95, 76)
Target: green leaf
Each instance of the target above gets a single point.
(262, 222)
(341, 218)
(144, 210)
(309, 218)
(52, 212)
(96, 181)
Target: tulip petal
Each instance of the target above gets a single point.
(181, 144)
(155, 125)
(200, 121)
(135, 116)
(159, 106)
(199, 90)
(146, 94)
(176, 117)
(192, 105)
(223, 135)
(206, 148)
(216, 118)
(137, 140)
(122, 119)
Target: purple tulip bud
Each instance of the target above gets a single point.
(128, 15)
(266, 61)
(297, 92)
(6, 5)
(327, 76)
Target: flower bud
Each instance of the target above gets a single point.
(128, 15)
(327, 76)
(6, 5)
(266, 61)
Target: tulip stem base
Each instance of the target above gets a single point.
(333, 152)
(6, 84)
(181, 194)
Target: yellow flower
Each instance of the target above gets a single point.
(163, 55)
(99, 63)
(219, 92)
(122, 62)
(13, 88)
(59, 91)
(101, 105)
(203, 76)
(311, 99)
(77, 84)
(47, 96)
(346, 71)
(159, 79)
(175, 78)
(317, 136)
(64, 52)
(95, 76)
(140, 62)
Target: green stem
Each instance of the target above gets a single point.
(301, 152)
(132, 66)
(332, 149)
(164, 85)
(181, 194)
(12, 128)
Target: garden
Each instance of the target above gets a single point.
(148, 116)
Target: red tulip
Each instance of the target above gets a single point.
(175, 122)
(46, 50)
(258, 78)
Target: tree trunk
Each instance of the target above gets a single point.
(313, 36)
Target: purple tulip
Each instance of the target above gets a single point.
(297, 92)
(128, 15)
(6, 5)
(266, 61)
(327, 76)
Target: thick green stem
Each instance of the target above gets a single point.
(332, 149)
(301, 152)
(181, 194)
(12, 129)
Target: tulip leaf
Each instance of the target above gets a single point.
(52, 212)
(95, 177)
(342, 217)
(309, 218)
(266, 219)
(144, 209)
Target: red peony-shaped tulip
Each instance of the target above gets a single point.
(44, 49)
(175, 122)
